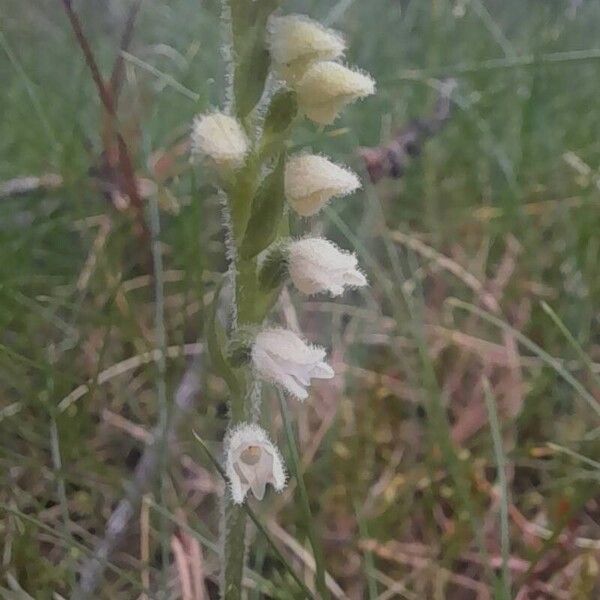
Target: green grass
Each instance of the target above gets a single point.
(399, 455)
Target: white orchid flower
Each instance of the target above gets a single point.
(252, 462)
(282, 357)
(318, 265)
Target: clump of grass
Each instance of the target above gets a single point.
(453, 301)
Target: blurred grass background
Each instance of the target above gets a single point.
(482, 258)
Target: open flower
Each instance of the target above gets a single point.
(252, 461)
(317, 265)
(220, 138)
(295, 41)
(283, 358)
(327, 87)
(312, 180)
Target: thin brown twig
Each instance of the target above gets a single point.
(197, 566)
(304, 556)
(392, 159)
(391, 552)
(104, 92)
(183, 568)
(145, 545)
(116, 78)
(137, 432)
(29, 184)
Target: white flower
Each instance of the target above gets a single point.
(220, 138)
(312, 180)
(327, 87)
(283, 358)
(252, 461)
(317, 265)
(295, 41)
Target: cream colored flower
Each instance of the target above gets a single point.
(317, 265)
(295, 41)
(327, 87)
(283, 358)
(312, 180)
(252, 461)
(220, 138)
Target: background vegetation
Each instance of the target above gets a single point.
(476, 345)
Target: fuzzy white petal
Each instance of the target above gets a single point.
(279, 372)
(294, 37)
(283, 358)
(295, 41)
(326, 87)
(265, 467)
(312, 180)
(220, 138)
(317, 265)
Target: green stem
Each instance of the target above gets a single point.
(234, 549)
(251, 308)
(234, 516)
(249, 73)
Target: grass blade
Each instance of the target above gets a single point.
(71, 544)
(490, 403)
(439, 424)
(164, 78)
(572, 341)
(31, 92)
(373, 594)
(530, 345)
(161, 386)
(61, 489)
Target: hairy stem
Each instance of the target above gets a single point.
(249, 67)
(234, 515)
(234, 550)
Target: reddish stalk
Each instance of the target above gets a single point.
(106, 97)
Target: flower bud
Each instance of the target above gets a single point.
(317, 265)
(283, 358)
(327, 87)
(311, 181)
(252, 461)
(221, 139)
(295, 41)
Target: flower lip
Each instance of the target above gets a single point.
(252, 462)
(283, 358)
